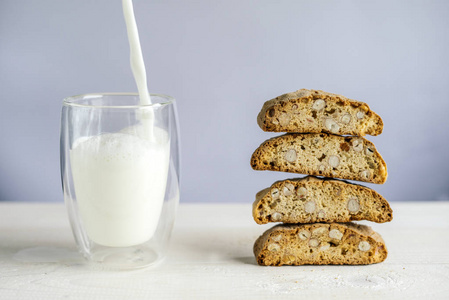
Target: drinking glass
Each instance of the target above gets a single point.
(120, 176)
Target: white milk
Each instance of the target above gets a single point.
(136, 58)
(138, 65)
(120, 182)
(120, 178)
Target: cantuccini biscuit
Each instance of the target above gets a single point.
(320, 244)
(322, 154)
(311, 199)
(317, 111)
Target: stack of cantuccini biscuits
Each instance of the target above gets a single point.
(324, 138)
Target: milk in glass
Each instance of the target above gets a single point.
(120, 177)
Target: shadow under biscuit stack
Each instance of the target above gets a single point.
(323, 138)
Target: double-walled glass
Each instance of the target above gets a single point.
(120, 176)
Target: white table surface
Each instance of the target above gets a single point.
(211, 257)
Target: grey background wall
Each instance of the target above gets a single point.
(222, 60)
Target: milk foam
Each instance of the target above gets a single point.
(120, 182)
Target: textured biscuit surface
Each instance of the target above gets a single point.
(317, 111)
(320, 244)
(311, 199)
(322, 154)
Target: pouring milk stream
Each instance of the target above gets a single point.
(137, 64)
(120, 178)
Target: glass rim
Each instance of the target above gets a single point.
(70, 101)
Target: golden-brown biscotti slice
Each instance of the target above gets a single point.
(320, 244)
(322, 154)
(311, 199)
(318, 111)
